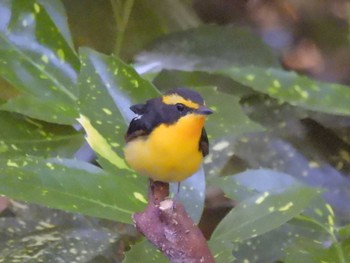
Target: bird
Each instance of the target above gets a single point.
(167, 141)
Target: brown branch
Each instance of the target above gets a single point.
(166, 225)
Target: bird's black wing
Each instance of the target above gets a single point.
(138, 126)
(143, 124)
(136, 129)
(204, 143)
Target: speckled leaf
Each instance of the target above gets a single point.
(71, 185)
(199, 49)
(144, 252)
(221, 251)
(316, 221)
(308, 251)
(37, 234)
(262, 213)
(311, 146)
(295, 89)
(22, 136)
(167, 79)
(228, 118)
(110, 88)
(36, 59)
(57, 13)
(38, 108)
(271, 246)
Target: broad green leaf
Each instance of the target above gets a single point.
(101, 145)
(23, 136)
(344, 232)
(262, 213)
(7, 91)
(228, 118)
(295, 155)
(313, 223)
(72, 185)
(271, 246)
(162, 17)
(37, 60)
(111, 86)
(168, 79)
(308, 251)
(144, 252)
(199, 49)
(38, 108)
(221, 251)
(37, 234)
(57, 13)
(295, 89)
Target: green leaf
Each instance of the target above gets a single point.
(262, 213)
(23, 136)
(37, 60)
(316, 221)
(308, 251)
(295, 89)
(111, 86)
(221, 251)
(56, 11)
(37, 234)
(199, 49)
(144, 252)
(228, 118)
(344, 232)
(162, 17)
(38, 108)
(72, 185)
(168, 79)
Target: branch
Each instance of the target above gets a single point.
(166, 225)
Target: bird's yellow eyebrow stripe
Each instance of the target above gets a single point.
(172, 99)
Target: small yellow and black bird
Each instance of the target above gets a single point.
(167, 140)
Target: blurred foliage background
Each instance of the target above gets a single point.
(275, 187)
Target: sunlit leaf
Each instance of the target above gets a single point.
(37, 60)
(112, 87)
(294, 89)
(199, 49)
(38, 234)
(308, 251)
(22, 136)
(161, 19)
(71, 185)
(221, 251)
(260, 214)
(56, 11)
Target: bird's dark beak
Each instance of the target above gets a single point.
(203, 110)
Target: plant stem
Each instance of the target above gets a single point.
(331, 233)
(121, 14)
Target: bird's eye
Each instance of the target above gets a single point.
(180, 106)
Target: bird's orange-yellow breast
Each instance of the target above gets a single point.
(171, 152)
